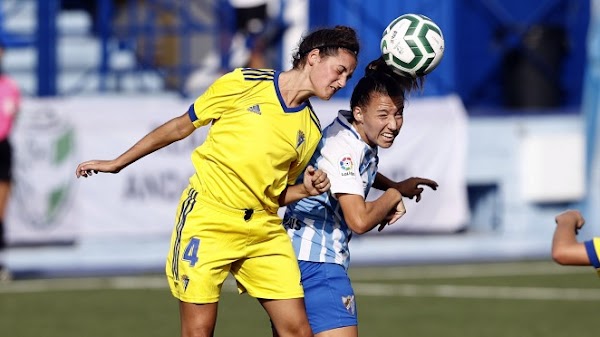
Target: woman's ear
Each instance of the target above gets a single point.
(357, 113)
(313, 56)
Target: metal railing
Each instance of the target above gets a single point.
(125, 43)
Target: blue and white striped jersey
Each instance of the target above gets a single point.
(316, 225)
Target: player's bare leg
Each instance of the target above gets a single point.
(347, 331)
(4, 193)
(288, 317)
(198, 320)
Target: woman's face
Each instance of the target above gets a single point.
(380, 121)
(331, 73)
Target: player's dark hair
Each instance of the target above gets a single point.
(328, 41)
(380, 78)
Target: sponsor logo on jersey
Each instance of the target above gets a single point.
(255, 108)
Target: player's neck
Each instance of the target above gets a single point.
(293, 88)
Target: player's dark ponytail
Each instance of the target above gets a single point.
(380, 78)
(408, 83)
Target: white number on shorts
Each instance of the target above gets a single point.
(191, 251)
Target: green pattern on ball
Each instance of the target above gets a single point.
(416, 39)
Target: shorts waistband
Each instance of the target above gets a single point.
(245, 213)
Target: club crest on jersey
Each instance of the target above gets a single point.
(186, 281)
(346, 166)
(300, 139)
(349, 304)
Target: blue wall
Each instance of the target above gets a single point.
(371, 18)
(478, 35)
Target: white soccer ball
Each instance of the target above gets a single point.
(412, 45)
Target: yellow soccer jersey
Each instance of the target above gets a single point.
(256, 144)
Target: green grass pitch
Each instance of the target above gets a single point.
(527, 299)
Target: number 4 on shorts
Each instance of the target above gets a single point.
(190, 253)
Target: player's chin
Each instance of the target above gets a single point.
(325, 97)
(327, 94)
(385, 143)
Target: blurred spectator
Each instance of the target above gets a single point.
(10, 99)
(250, 32)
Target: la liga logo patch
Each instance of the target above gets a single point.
(346, 166)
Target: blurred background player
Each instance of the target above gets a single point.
(253, 30)
(321, 226)
(10, 99)
(566, 249)
(227, 219)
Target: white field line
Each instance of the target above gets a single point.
(31, 286)
(361, 285)
(477, 292)
(464, 271)
(361, 289)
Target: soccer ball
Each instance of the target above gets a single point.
(412, 45)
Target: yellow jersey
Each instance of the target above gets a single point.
(256, 144)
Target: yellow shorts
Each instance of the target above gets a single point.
(211, 240)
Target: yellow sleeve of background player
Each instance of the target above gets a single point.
(596, 250)
(220, 97)
(592, 248)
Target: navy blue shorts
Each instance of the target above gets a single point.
(328, 296)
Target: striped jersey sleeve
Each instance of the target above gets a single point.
(593, 250)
